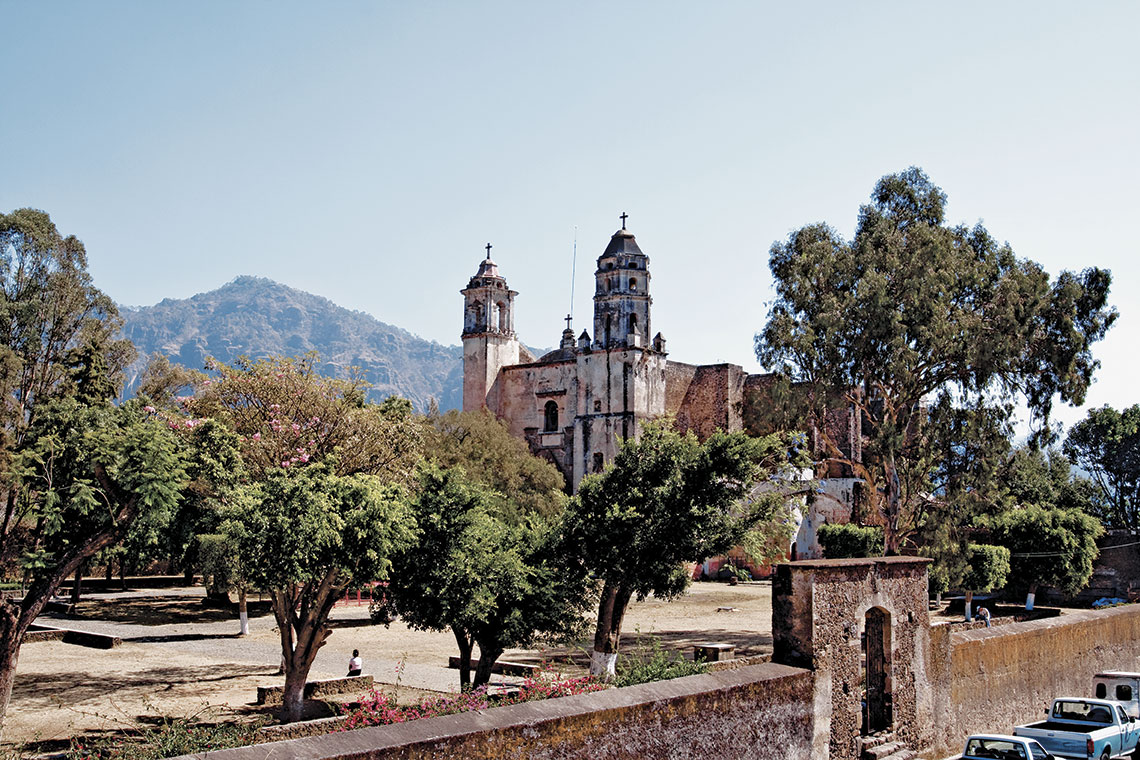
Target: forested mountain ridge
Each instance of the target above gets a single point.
(259, 317)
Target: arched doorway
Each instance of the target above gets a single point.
(877, 705)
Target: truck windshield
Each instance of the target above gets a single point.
(1090, 713)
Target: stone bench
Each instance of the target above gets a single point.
(501, 667)
(272, 695)
(67, 636)
(713, 651)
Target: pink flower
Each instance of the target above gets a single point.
(257, 436)
(286, 463)
(149, 409)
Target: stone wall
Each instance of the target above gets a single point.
(995, 678)
(761, 711)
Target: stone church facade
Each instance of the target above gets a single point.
(574, 404)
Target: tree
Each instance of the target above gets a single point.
(1106, 445)
(667, 499)
(494, 579)
(308, 546)
(912, 307)
(1048, 546)
(987, 569)
(314, 534)
(75, 472)
(483, 446)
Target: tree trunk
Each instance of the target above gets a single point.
(123, 572)
(243, 614)
(969, 606)
(188, 574)
(891, 510)
(487, 659)
(293, 701)
(607, 635)
(109, 574)
(11, 633)
(465, 645)
(1031, 596)
(77, 586)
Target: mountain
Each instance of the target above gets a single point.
(258, 317)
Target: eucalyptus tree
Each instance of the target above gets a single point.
(912, 307)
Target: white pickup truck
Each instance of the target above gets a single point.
(1120, 685)
(1085, 728)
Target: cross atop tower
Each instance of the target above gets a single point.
(488, 251)
(568, 321)
(624, 216)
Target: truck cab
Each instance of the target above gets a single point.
(1121, 686)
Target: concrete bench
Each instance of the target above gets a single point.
(272, 695)
(67, 636)
(713, 651)
(501, 667)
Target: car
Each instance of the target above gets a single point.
(1002, 747)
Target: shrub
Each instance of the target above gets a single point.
(170, 738)
(655, 664)
(850, 540)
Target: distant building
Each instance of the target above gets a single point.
(574, 404)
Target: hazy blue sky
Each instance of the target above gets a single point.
(366, 152)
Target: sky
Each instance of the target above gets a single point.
(368, 151)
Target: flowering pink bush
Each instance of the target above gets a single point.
(378, 709)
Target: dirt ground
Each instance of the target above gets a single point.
(179, 658)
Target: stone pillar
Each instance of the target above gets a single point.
(819, 615)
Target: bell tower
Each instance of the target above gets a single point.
(489, 340)
(621, 294)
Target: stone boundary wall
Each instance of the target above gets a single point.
(762, 711)
(996, 678)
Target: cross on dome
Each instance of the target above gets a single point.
(624, 216)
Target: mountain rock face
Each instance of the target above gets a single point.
(258, 317)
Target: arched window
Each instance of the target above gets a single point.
(550, 417)
(607, 331)
(633, 284)
(633, 324)
(504, 318)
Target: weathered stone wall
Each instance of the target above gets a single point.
(712, 400)
(762, 711)
(1000, 677)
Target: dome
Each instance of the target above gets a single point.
(623, 242)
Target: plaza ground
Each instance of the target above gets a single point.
(180, 658)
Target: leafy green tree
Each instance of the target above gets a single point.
(987, 569)
(493, 579)
(666, 499)
(912, 307)
(1048, 546)
(483, 446)
(75, 472)
(1106, 445)
(840, 540)
(288, 419)
(308, 535)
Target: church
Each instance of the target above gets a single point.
(575, 404)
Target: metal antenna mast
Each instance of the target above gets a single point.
(573, 272)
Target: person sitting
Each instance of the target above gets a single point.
(355, 663)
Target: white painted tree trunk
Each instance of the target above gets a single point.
(1029, 600)
(969, 606)
(603, 665)
(243, 614)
